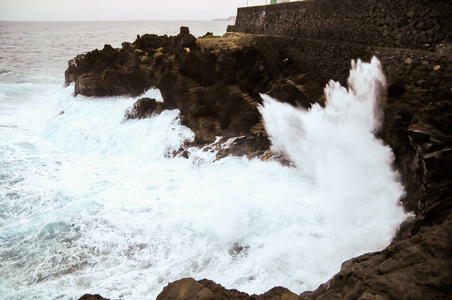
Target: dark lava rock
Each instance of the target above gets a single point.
(250, 146)
(92, 297)
(107, 72)
(188, 288)
(418, 263)
(144, 108)
(217, 95)
(217, 91)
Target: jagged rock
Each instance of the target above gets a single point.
(396, 88)
(289, 93)
(150, 43)
(144, 108)
(416, 268)
(107, 72)
(188, 289)
(183, 42)
(133, 82)
(417, 264)
(216, 92)
(251, 146)
(92, 297)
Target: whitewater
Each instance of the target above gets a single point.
(93, 203)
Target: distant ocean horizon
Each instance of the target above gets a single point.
(63, 40)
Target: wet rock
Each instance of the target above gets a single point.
(189, 288)
(289, 93)
(396, 88)
(416, 268)
(186, 288)
(417, 264)
(132, 82)
(216, 93)
(144, 108)
(250, 146)
(92, 297)
(107, 72)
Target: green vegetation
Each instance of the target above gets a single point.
(159, 52)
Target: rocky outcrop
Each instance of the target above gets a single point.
(418, 263)
(216, 87)
(188, 288)
(107, 72)
(92, 297)
(144, 108)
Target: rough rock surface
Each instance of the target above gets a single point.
(107, 72)
(216, 89)
(409, 24)
(144, 108)
(215, 83)
(92, 297)
(188, 288)
(418, 263)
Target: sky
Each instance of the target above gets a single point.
(118, 10)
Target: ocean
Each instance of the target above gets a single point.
(93, 203)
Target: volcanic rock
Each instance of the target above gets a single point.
(144, 108)
(92, 297)
(216, 88)
(188, 288)
(107, 72)
(216, 91)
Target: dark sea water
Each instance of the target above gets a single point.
(92, 203)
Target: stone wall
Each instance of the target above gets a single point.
(424, 70)
(411, 24)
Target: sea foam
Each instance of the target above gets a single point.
(97, 204)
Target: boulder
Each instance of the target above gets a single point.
(144, 108)
(92, 297)
(188, 288)
(108, 72)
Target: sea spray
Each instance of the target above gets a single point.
(329, 142)
(95, 203)
(344, 166)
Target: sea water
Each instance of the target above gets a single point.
(93, 203)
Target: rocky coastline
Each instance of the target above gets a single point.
(216, 82)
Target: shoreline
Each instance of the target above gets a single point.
(417, 127)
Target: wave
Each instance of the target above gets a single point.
(94, 203)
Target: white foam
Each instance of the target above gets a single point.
(100, 206)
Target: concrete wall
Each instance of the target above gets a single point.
(411, 24)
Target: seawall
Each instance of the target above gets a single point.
(411, 38)
(412, 24)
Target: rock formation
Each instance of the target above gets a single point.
(215, 83)
(417, 264)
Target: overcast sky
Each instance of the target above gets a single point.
(102, 10)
